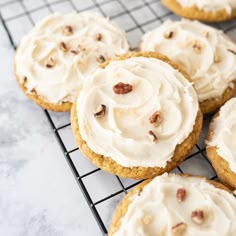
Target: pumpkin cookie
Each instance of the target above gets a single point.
(221, 143)
(177, 205)
(137, 117)
(206, 54)
(55, 58)
(204, 10)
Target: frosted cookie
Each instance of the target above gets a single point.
(137, 117)
(206, 54)
(221, 143)
(55, 58)
(177, 206)
(205, 10)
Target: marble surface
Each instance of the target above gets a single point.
(38, 194)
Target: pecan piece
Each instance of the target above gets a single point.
(232, 51)
(153, 136)
(98, 37)
(63, 46)
(155, 118)
(76, 52)
(181, 194)
(100, 59)
(179, 229)
(50, 63)
(196, 47)
(168, 35)
(68, 30)
(100, 111)
(197, 216)
(122, 88)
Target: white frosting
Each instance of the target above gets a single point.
(224, 133)
(157, 202)
(209, 5)
(122, 133)
(210, 78)
(61, 82)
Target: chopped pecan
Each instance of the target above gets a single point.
(50, 63)
(232, 51)
(76, 52)
(179, 229)
(153, 136)
(63, 46)
(122, 88)
(100, 111)
(68, 30)
(181, 194)
(98, 37)
(196, 47)
(197, 216)
(155, 118)
(169, 34)
(101, 59)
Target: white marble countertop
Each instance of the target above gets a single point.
(38, 194)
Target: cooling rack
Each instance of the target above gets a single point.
(135, 17)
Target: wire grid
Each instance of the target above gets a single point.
(136, 17)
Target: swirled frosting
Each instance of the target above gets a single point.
(156, 209)
(224, 133)
(205, 53)
(60, 51)
(209, 6)
(123, 133)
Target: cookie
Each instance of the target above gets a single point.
(209, 11)
(137, 117)
(205, 53)
(176, 205)
(221, 148)
(54, 59)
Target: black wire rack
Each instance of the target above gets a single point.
(136, 17)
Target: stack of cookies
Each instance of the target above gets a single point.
(139, 114)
